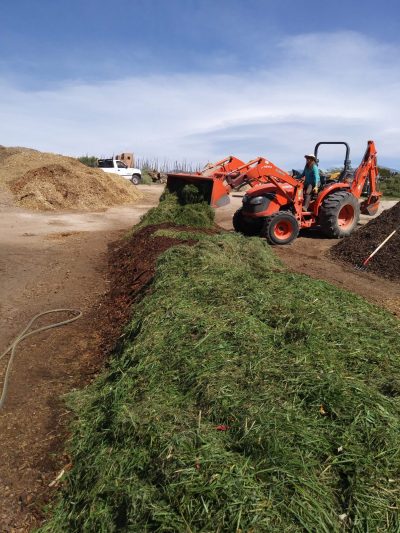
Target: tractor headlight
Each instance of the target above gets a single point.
(255, 204)
(256, 200)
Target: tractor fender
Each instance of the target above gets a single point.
(325, 192)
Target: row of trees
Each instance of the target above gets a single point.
(153, 165)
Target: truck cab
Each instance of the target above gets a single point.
(115, 166)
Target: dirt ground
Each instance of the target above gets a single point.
(51, 260)
(48, 261)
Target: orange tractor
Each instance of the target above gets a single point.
(273, 206)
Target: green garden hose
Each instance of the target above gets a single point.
(23, 335)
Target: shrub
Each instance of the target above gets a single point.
(89, 161)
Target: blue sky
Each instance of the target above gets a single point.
(200, 79)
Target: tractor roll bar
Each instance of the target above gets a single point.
(347, 161)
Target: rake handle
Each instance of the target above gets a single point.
(379, 247)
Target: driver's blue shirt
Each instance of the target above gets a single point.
(311, 175)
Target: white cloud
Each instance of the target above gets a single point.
(339, 86)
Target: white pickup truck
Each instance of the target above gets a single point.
(115, 166)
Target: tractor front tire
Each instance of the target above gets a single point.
(280, 228)
(339, 214)
(247, 226)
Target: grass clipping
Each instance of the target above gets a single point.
(182, 208)
(245, 398)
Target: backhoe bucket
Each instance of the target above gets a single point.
(212, 189)
(370, 206)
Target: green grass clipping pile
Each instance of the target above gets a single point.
(185, 207)
(245, 398)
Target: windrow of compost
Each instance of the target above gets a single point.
(48, 182)
(238, 398)
(356, 248)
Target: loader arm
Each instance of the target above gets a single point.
(261, 171)
(368, 169)
(258, 171)
(221, 167)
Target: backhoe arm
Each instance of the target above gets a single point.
(368, 169)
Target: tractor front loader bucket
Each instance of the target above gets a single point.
(212, 189)
(210, 182)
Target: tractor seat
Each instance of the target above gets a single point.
(343, 176)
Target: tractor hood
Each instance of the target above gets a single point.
(268, 189)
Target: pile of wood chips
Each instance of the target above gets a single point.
(44, 181)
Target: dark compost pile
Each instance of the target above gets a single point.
(356, 248)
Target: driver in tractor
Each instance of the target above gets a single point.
(312, 179)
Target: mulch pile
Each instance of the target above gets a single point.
(356, 248)
(47, 182)
(131, 268)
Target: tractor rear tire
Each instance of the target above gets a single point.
(339, 214)
(248, 226)
(280, 228)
